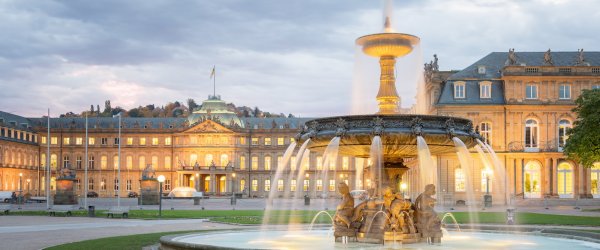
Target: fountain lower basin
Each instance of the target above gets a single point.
(321, 239)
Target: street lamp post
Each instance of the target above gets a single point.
(161, 179)
(487, 198)
(28, 184)
(119, 164)
(20, 198)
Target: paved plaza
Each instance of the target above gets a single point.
(35, 232)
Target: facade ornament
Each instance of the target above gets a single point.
(341, 127)
(548, 58)
(512, 57)
(434, 65)
(417, 126)
(449, 125)
(580, 61)
(377, 126)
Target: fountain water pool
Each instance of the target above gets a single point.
(321, 239)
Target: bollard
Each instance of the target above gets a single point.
(233, 200)
(91, 211)
(306, 200)
(510, 216)
(196, 201)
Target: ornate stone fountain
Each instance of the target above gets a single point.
(387, 215)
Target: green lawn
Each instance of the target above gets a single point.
(120, 242)
(526, 219)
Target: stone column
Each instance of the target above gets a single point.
(554, 177)
(213, 181)
(388, 98)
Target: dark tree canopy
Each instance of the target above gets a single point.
(583, 143)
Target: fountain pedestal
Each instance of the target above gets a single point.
(65, 192)
(149, 192)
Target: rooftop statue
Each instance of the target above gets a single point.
(548, 58)
(580, 59)
(512, 57)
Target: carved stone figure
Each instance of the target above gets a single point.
(428, 223)
(434, 65)
(345, 210)
(580, 59)
(66, 173)
(401, 217)
(512, 57)
(548, 58)
(148, 173)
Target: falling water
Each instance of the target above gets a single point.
(427, 168)
(499, 171)
(287, 193)
(280, 168)
(464, 156)
(329, 157)
(377, 164)
(299, 178)
(360, 166)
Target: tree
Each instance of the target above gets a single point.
(191, 104)
(107, 107)
(583, 143)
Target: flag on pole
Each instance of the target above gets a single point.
(212, 73)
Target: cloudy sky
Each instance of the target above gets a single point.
(295, 56)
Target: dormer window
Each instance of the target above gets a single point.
(485, 90)
(459, 90)
(481, 70)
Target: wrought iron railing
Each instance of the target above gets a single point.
(542, 146)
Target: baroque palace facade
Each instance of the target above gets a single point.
(520, 102)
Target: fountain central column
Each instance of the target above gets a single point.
(387, 97)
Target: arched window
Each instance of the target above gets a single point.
(563, 126)
(459, 180)
(142, 162)
(53, 161)
(224, 160)
(116, 162)
(532, 180)
(486, 132)
(531, 133)
(103, 161)
(154, 162)
(208, 160)
(565, 180)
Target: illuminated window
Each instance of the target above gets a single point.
(267, 163)
(53, 140)
(293, 185)
(268, 141)
(78, 141)
(345, 163)
(280, 185)
(116, 162)
(142, 140)
(103, 162)
(193, 159)
(243, 140)
(208, 160)
(142, 162)
(243, 185)
(91, 141)
(168, 141)
(459, 180)
(319, 163)
(242, 162)
(280, 141)
(254, 141)
(267, 185)
(331, 185)
(254, 185)
(254, 162)
(154, 162)
(595, 180)
(129, 160)
(486, 132)
(319, 185)
(129, 141)
(168, 162)
(44, 140)
(154, 141)
(224, 160)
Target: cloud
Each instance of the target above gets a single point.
(282, 56)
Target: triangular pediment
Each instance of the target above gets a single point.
(208, 126)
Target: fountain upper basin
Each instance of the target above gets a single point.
(387, 44)
(398, 134)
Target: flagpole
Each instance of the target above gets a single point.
(214, 82)
(48, 164)
(86, 162)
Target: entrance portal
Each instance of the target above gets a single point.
(532, 180)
